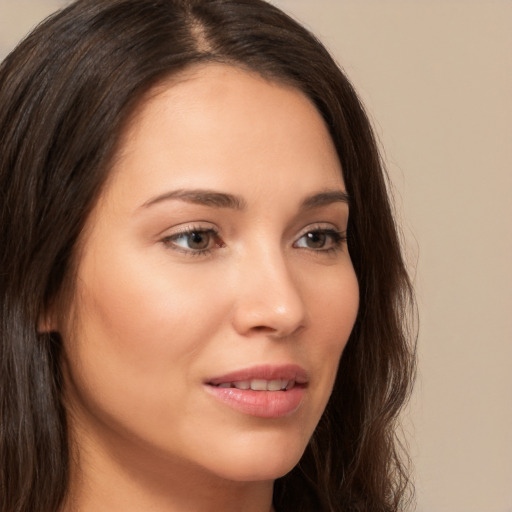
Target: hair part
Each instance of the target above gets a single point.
(66, 94)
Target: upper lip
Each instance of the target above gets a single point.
(291, 372)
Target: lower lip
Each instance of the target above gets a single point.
(264, 404)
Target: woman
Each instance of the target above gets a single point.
(191, 319)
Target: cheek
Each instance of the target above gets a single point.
(333, 311)
(143, 313)
(338, 314)
(136, 334)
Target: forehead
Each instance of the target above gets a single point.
(214, 122)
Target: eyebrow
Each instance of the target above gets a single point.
(201, 197)
(224, 200)
(325, 198)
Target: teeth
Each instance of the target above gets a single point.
(243, 384)
(260, 385)
(275, 385)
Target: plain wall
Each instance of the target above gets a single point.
(436, 77)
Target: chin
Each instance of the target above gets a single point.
(261, 460)
(259, 472)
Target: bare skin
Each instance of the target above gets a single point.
(217, 247)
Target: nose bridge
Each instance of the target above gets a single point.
(269, 296)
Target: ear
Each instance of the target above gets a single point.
(47, 321)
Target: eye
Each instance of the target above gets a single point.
(321, 239)
(194, 240)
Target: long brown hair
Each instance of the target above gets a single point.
(65, 94)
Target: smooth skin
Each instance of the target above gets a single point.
(216, 245)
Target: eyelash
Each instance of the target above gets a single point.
(337, 238)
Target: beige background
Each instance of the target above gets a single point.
(437, 79)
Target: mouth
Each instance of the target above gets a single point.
(259, 385)
(263, 378)
(263, 391)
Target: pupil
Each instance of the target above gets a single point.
(198, 240)
(316, 240)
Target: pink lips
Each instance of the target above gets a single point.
(264, 391)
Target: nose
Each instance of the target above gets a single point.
(268, 297)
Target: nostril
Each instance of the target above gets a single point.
(263, 328)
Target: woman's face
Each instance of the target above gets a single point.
(214, 261)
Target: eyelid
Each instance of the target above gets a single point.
(188, 227)
(320, 226)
